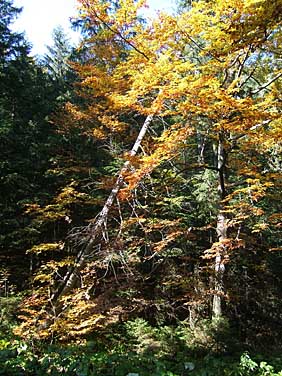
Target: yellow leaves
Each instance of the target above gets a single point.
(43, 278)
(156, 59)
(227, 26)
(127, 13)
(259, 227)
(70, 195)
(274, 136)
(197, 67)
(46, 247)
(87, 325)
(50, 213)
(191, 69)
(80, 318)
(112, 123)
(254, 191)
(210, 23)
(157, 75)
(167, 147)
(100, 133)
(251, 26)
(46, 271)
(102, 11)
(249, 3)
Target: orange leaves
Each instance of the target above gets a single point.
(200, 72)
(197, 70)
(242, 203)
(157, 67)
(99, 133)
(164, 243)
(34, 316)
(224, 248)
(75, 112)
(97, 9)
(276, 219)
(112, 124)
(81, 317)
(170, 231)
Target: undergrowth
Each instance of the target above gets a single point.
(133, 348)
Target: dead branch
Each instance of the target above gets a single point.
(98, 228)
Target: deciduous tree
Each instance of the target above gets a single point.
(211, 77)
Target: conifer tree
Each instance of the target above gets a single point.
(214, 119)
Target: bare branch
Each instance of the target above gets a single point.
(242, 65)
(267, 84)
(98, 228)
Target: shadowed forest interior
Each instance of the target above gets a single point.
(140, 192)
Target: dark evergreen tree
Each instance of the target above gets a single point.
(44, 163)
(57, 62)
(28, 99)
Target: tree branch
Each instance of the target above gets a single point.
(267, 84)
(117, 32)
(97, 229)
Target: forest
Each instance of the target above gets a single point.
(140, 192)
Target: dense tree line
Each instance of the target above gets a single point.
(141, 183)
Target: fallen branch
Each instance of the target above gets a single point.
(99, 226)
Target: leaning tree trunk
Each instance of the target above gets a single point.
(221, 229)
(99, 226)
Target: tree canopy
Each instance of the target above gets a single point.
(150, 188)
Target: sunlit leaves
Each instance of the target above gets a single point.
(210, 78)
(46, 247)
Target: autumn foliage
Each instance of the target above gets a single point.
(197, 209)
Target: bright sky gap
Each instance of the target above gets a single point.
(39, 18)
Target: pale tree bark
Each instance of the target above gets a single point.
(221, 229)
(219, 268)
(98, 228)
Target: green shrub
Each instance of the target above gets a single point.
(19, 359)
(8, 308)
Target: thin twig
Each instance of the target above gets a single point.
(267, 84)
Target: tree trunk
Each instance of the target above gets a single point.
(99, 226)
(221, 230)
(219, 268)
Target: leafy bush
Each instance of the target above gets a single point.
(18, 359)
(136, 347)
(8, 306)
